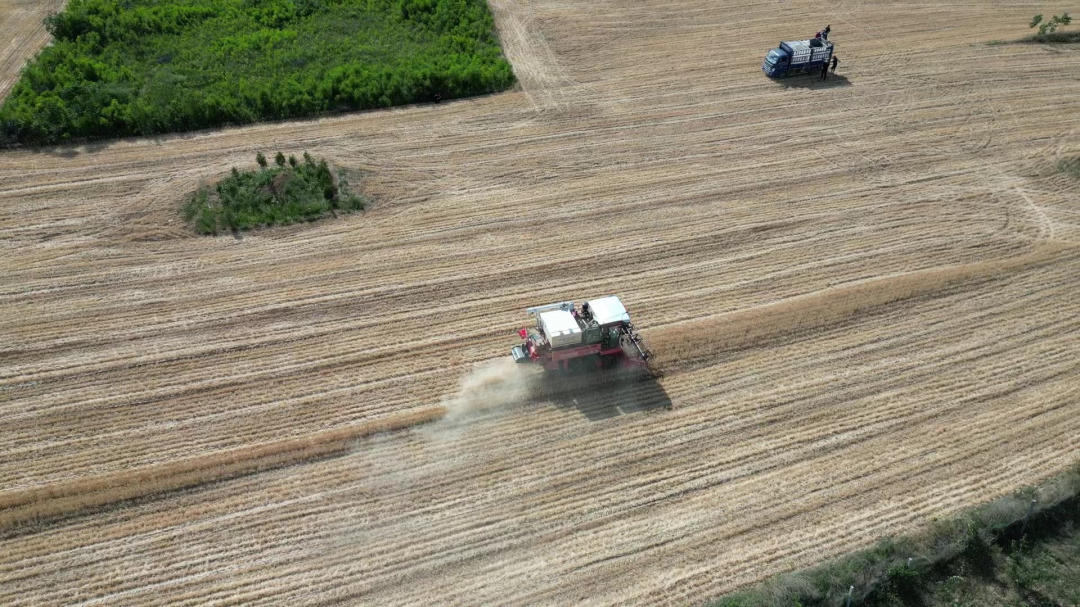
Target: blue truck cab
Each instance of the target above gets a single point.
(797, 57)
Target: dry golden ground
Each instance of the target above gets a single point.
(864, 293)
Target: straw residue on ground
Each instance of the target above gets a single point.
(880, 238)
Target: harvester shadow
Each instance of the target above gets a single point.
(814, 81)
(604, 397)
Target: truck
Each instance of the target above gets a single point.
(797, 57)
(598, 335)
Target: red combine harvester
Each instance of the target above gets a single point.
(599, 335)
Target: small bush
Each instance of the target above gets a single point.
(902, 580)
(1050, 25)
(270, 196)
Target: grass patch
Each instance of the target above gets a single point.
(1070, 167)
(1054, 38)
(140, 67)
(989, 556)
(288, 192)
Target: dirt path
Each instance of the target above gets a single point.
(645, 155)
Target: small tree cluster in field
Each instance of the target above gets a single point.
(287, 192)
(1049, 26)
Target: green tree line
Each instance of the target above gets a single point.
(140, 67)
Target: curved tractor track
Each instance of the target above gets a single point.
(862, 294)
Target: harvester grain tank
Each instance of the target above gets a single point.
(597, 335)
(797, 57)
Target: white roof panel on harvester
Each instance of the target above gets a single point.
(560, 327)
(607, 310)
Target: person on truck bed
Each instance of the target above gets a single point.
(825, 32)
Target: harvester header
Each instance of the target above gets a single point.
(597, 335)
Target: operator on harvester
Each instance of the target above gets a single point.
(586, 312)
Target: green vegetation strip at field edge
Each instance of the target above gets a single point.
(139, 67)
(1023, 549)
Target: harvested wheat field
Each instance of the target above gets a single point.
(22, 33)
(863, 296)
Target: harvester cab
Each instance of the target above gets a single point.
(597, 335)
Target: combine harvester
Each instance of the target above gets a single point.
(797, 57)
(599, 335)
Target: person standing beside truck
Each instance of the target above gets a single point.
(834, 62)
(825, 70)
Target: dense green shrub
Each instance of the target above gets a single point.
(137, 67)
(275, 195)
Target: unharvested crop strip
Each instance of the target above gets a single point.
(698, 340)
(70, 497)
